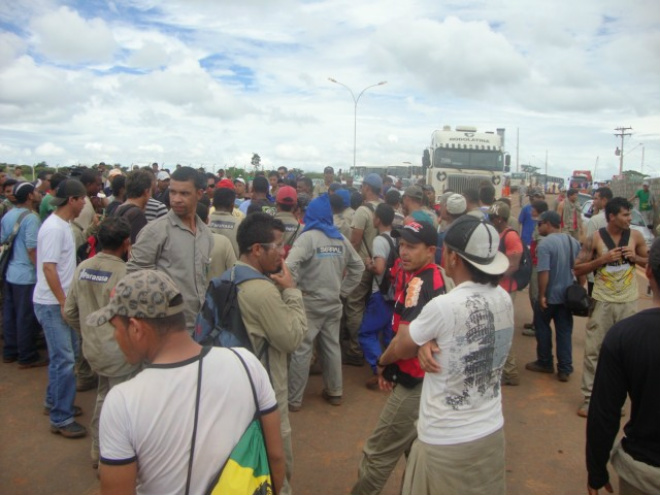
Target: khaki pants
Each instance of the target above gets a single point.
(471, 468)
(510, 369)
(105, 384)
(635, 477)
(392, 438)
(601, 319)
(354, 308)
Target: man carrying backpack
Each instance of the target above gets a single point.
(376, 329)
(554, 275)
(511, 245)
(270, 307)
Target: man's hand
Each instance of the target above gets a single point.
(543, 301)
(612, 256)
(593, 491)
(283, 279)
(629, 254)
(383, 384)
(425, 356)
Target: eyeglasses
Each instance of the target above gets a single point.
(271, 245)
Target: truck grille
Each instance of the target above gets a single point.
(460, 182)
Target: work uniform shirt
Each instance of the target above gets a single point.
(222, 256)
(226, 224)
(315, 257)
(167, 245)
(363, 219)
(93, 281)
(277, 317)
(292, 227)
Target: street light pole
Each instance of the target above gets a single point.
(355, 102)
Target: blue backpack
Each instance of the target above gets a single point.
(219, 323)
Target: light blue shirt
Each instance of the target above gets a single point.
(553, 254)
(21, 271)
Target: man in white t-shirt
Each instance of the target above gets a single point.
(460, 444)
(56, 263)
(147, 423)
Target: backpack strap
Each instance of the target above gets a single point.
(609, 242)
(196, 416)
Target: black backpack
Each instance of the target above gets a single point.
(386, 287)
(219, 323)
(524, 272)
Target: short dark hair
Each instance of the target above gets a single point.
(356, 200)
(487, 194)
(137, 182)
(55, 180)
(89, 176)
(615, 205)
(604, 192)
(209, 175)
(260, 184)
(571, 191)
(260, 206)
(203, 212)
(282, 167)
(185, 174)
(224, 198)
(257, 228)
(471, 195)
(113, 231)
(540, 206)
(336, 203)
(118, 183)
(43, 174)
(392, 197)
(307, 181)
(385, 213)
(273, 173)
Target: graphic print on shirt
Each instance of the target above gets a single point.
(477, 355)
(329, 251)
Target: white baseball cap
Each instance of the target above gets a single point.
(477, 242)
(162, 175)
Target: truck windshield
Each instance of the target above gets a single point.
(468, 159)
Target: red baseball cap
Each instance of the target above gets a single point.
(286, 195)
(226, 184)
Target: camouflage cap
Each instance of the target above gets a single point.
(143, 294)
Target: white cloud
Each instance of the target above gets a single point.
(64, 35)
(49, 150)
(11, 47)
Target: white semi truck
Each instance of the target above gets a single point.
(464, 158)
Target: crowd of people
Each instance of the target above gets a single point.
(117, 270)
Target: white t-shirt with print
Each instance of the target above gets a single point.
(149, 419)
(473, 327)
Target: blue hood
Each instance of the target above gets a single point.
(319, 217)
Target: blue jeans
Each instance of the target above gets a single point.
(377, 321)
(20, 324)
(63, 346)
(564, 330)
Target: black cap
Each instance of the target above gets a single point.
(69, 188)
(328, 170)
(417, 232)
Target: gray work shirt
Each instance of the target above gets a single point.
(167, 245)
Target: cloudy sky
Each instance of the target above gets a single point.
(209, 82)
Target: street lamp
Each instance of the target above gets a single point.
(355, 101)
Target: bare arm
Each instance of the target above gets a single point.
(401, 347)
(585, 261)
(53, 281)
(70, 312)
(356, 238)
(32, 254)
(637, 254)
(514, 263)
(544, 278)
(271, 425)
(378, 266)
(118, 480)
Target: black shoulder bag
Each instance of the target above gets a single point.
(577, 298)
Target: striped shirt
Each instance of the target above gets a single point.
(155, 209)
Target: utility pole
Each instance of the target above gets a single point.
(517, 149)
(622, 134)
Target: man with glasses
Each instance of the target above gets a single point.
(272, 310)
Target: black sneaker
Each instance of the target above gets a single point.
(37, 363)
(562, 377)
(72, 430)
(538, 367)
